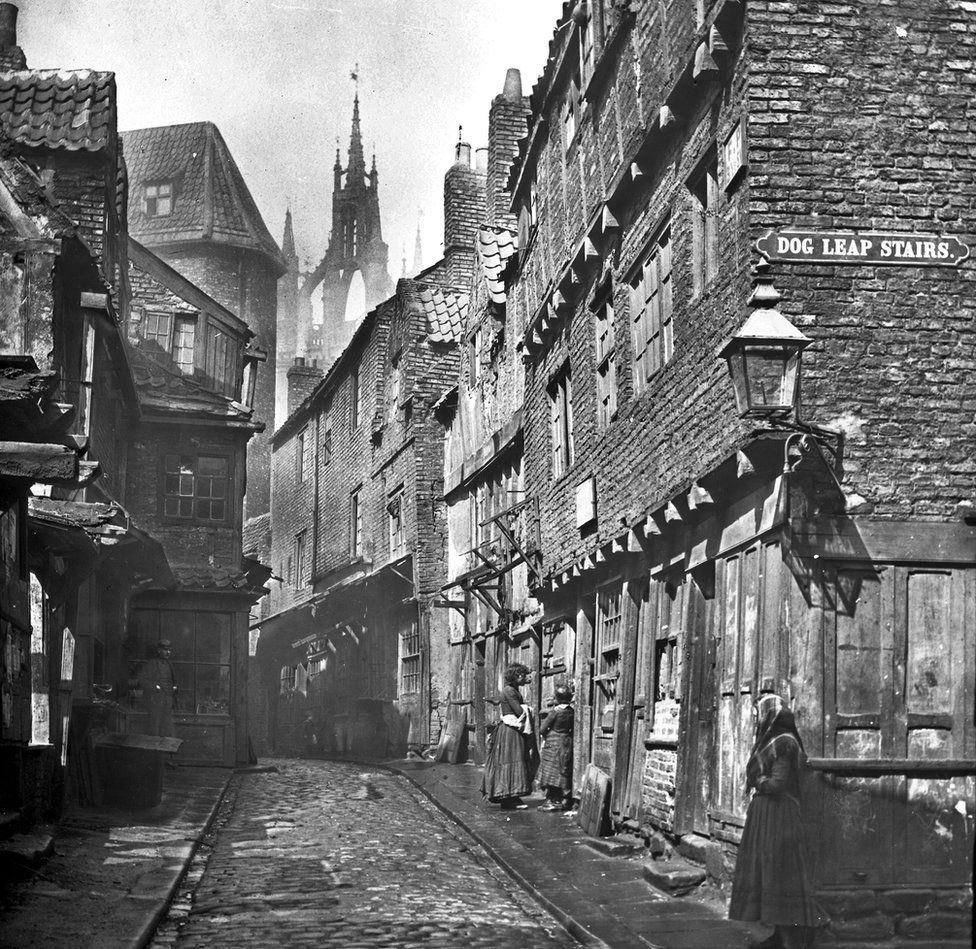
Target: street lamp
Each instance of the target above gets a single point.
(764, 355)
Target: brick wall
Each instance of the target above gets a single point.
(506, 125)
(464, 208)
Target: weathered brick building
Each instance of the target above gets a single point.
(191, 206)
(188, 458)
(696, 558)
(351, 648)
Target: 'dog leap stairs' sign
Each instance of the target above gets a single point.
(850, 247)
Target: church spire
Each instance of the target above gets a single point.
(356, 167)
(288, 239)
(418, 257)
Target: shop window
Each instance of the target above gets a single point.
(409, 657)
(561, 422)
(201, 655)
(606, 364)
(159, 199)
(196, 487)
(651, 310)
(704, 191)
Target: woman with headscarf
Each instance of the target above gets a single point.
(771, 883)
(509, 766)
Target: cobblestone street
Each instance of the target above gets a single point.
(334, 854)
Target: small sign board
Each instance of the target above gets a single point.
(862, 247)
(594, 808)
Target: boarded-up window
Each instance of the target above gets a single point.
(704, 191)
(651, 310)
(561, 422)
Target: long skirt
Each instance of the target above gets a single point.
(508, 772)
(771, 882)
(556, 761)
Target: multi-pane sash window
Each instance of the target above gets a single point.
(409, 657)
(651, 311)
(606, 364)
(196, 487)
(174, 334)
(356, 523)
(159, 199)
(704, 189)
(609, 625)
(561, 422)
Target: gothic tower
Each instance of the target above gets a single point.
(353, 274)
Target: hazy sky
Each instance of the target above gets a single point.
(274, 75)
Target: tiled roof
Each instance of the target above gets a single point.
(496, 246)
(257, 537)
(211, 200)
(445, 311)
(51, 108)
(211, 578)
(162, 387)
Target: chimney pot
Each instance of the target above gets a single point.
(8, 25)
(481, 159)
(513, 85)
(300, 361)
(462, 154)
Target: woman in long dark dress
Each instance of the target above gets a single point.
(556, 760)
(509, 765)
(771, 882)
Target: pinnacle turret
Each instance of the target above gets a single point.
(356, 167)
(288, 239)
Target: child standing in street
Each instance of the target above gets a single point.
(556, 764)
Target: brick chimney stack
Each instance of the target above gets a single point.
(464, 209)
(11, 55)
(302, 380)
(507, 123)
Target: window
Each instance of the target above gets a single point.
(394, 508)
(86, 377)
(355, 398)
(303, 453)
(409, 657)
(586, 37)
(572, 109)
(174, 334)
(561, 422)
(606, 363)
(474, 357)
(301, 556)
(533, 203)
(287, 679)
(356, 523)
(196, 487)
(201, 655)
(159, 199)
(704, 190)
(327, 440)
(651, 311)
(396, 386)
(609, 623)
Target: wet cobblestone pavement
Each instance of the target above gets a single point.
(335, 854)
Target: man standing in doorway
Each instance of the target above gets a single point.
(158, 683)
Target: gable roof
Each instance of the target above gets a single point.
(211, 199)
(59, 108)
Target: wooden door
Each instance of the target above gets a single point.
(641, 698)
(585, 687)
(478, 703)
(898, 688)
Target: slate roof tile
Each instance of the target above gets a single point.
(445, 311)
(496, 246)
(49, 108)
(211, 199)
(211, 578)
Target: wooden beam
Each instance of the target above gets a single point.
(743, 466)
(671, 513)
(716, 42)
(20, 386)
(698, 497)
(37, 462)
(666, 116)
(855, 538)
(607, 221)
(705, 66)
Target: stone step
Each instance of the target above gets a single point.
(25, 851)
(675, 877)
(623, 845)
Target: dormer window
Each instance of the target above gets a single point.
(159, 199)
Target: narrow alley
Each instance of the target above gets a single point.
(326, 853)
